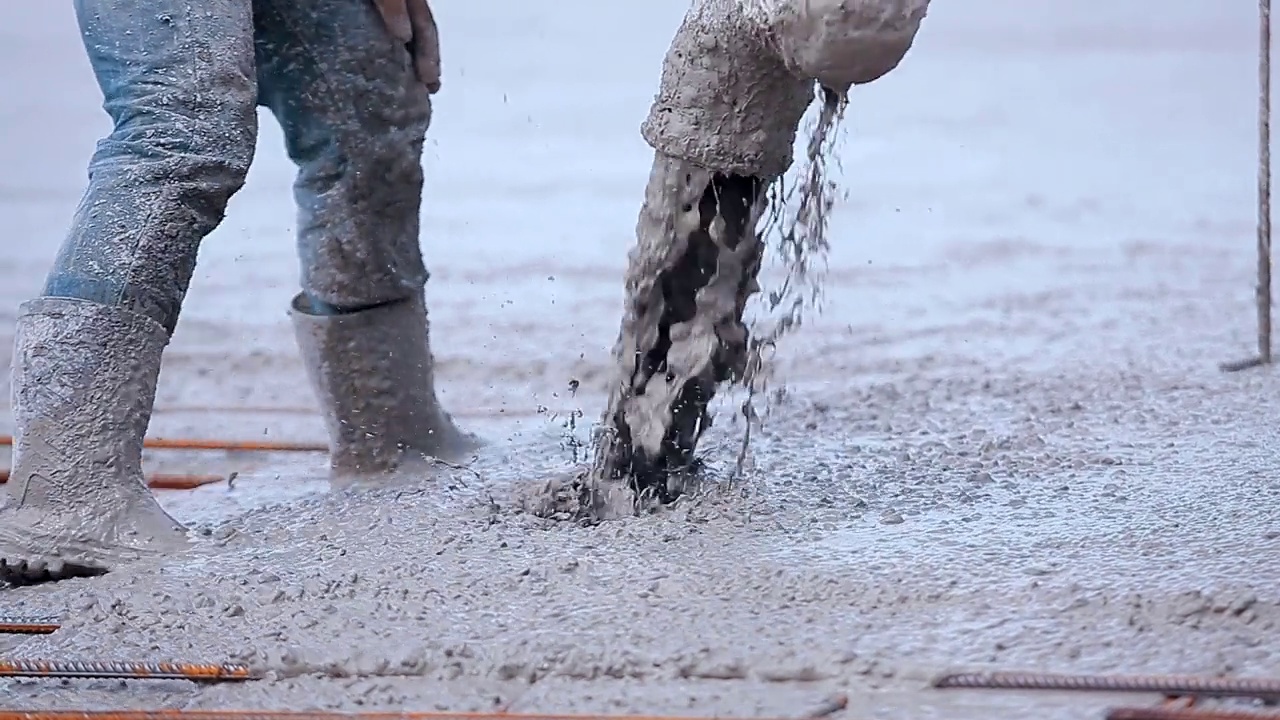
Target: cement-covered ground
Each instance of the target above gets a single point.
(1005, 443)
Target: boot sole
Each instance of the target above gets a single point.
(22, 573)
(31, 557)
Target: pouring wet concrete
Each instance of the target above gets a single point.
(1004, 444)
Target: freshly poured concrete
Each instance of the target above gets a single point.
(1004, 444)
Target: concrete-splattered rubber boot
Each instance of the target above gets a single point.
(372, 372)
(76, 504)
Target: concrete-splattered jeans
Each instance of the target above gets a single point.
(181, 81)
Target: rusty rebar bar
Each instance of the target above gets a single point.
(195, 672)
(1175, 713)
(306, 715)
(1261, 688)
(14, 625)
(163, 481)
(229, 445)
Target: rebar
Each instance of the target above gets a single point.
(1264, 180)
(162, 481)
(305, 715)
(1262, 293)
(1260, 688)
(195, 672)
(14, 625)
(1172, 713)
(169, 481)
(229, 445)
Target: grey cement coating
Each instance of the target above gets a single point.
(701, 240)
(76, 513)
(688, 279)
(736, 82)
(371, 372)
(1004, 444)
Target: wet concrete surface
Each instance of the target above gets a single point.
(1005, 443)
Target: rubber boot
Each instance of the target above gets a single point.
(372, 372)
(76, 504)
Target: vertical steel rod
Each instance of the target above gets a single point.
(1264, 180)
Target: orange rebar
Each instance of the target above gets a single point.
(1180, 685)
(163, 481)
(195, 672)
(229, 445)
(832, 704)
(304, 715)
(28, 625)
(1173, 713)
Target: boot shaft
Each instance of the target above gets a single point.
(83, 386)
(373, 375)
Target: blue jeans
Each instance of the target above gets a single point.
(181, 81)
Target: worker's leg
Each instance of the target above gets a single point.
(354, 118)
(179, 85)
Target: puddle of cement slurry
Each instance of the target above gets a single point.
(1045, 252)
